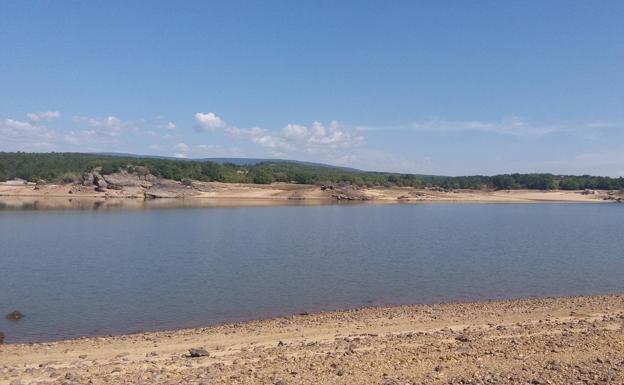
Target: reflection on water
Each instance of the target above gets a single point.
(87, 203)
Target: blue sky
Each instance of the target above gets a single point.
(441, 87)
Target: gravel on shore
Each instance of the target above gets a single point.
(571, 340)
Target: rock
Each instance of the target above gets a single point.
(40, 183)
(15, 315)
(99, 181)
(198, 352)
(154, 194)
(462, 338)
(280, 382)
(1, 338)
(88, 179)
(15, 182)
(123, 178)
(72, 376)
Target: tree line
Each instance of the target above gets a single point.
(68, 167)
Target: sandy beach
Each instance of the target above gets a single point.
(576, 340)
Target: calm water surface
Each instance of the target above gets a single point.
(77, 273)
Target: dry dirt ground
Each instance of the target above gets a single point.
(577, 340)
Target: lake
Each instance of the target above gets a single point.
(99, 272)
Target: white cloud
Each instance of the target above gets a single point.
(36, 117)
(296, 137)
(209, 121)
(170, 126)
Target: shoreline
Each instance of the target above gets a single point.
(438, 343)
(231, 194)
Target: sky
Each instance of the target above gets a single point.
(428, 87)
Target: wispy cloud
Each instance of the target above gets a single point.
(36, 117)
(108, 126)
(514, 126)
(25, 134)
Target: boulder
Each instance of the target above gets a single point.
(1, 338)
(99, 181)
(198, 352)
(15, 315)
(88, 179)
(124, 178)
(463, 338)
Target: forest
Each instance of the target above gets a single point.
(68, 167)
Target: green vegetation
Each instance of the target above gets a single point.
(65, 167)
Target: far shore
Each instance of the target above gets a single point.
(214, 193)
(536, 341)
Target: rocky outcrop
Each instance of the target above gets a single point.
(134, 181)
(348, 194)
(124, 178)
(131, 177)
(616, 196)
(95, 179)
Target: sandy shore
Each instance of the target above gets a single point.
(577, 340)
(278, 193)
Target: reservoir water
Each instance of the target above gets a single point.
(94, 272)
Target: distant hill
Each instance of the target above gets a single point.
(236, 161)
